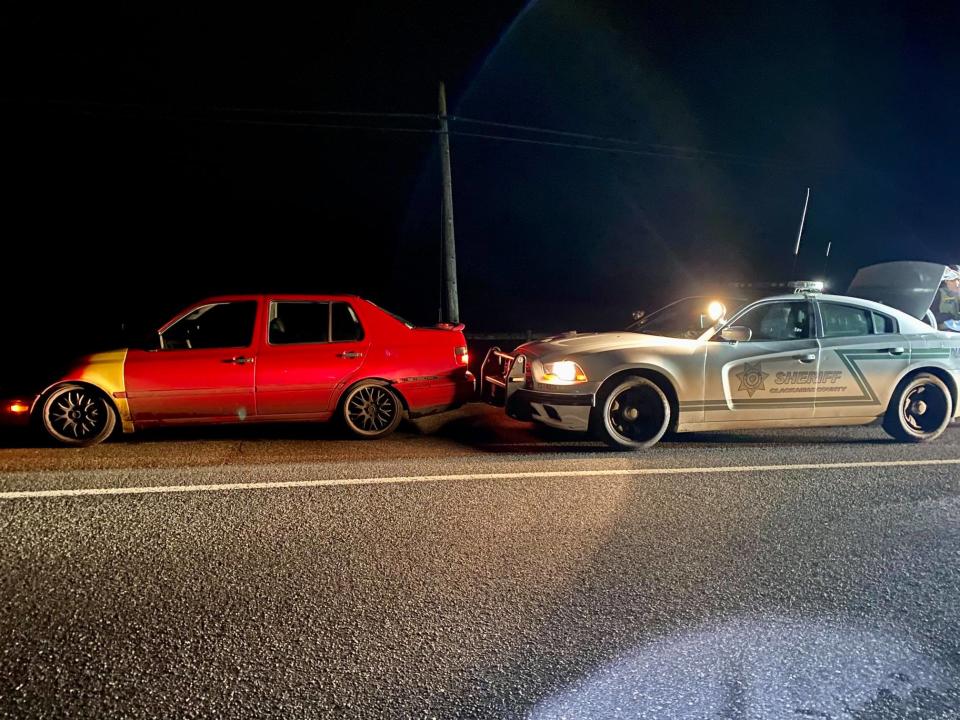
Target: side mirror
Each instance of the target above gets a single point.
(736, 333)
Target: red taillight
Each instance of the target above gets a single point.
(18, 408)
(463, 357)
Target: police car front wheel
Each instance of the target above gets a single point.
(633, 414)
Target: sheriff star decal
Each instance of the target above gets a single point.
(752, 377)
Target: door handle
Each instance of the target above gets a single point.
(808, 358)
(896, 350)
(349, 355)
(239, 360)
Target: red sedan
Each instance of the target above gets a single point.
(253, 358)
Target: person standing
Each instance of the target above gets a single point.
(947, 304)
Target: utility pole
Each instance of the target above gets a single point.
(451, 304)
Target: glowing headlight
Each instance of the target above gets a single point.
(563, 372)
(716, 310)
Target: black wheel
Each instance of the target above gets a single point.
(633, 414)
(78, 416)
(372, 410)
(921, 408)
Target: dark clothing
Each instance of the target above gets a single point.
(946, 307)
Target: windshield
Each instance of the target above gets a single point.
(686, 318)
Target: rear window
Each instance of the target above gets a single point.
(393, 315)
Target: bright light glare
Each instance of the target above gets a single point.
(716, 310)
(563, 371)
(783, 667)
(18, 408)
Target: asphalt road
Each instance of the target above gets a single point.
(470, 566)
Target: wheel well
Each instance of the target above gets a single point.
(661, 381)
(384, 381)
(944, 375)
(38, 405)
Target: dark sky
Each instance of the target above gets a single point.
(131, 188)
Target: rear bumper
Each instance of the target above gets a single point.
(430, 398)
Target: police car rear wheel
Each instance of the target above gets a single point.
(634, 414)
(920, 409)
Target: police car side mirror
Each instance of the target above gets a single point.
(736, 333)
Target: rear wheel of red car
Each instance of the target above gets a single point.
(78, 416)
(372, 410)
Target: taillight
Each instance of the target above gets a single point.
(461, 354)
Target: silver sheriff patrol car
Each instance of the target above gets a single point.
(790, 360)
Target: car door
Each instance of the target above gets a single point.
(771, 376)
(203, 371)
(862, 355)
(312, 349)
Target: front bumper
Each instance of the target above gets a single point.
(560, 410)
(504, 382)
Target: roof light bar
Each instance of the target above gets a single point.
(807, 286)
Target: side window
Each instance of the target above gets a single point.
(345, 325)
(883, 325)
(221, 325)
(787, 320)
(850, 321)
(298, 322)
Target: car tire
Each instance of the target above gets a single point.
(78, 415)
(633, 414)
(920, 410)
(372, 410)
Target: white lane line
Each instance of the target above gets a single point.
(621, 472)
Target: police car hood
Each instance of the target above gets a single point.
(908, 286)
(572, 343)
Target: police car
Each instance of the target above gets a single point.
(798, 359)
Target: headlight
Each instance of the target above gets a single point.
(562, 372)
(716, 310)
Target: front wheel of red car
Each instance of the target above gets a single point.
(372, 410)
(78, 416)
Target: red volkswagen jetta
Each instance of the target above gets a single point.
(252, 358)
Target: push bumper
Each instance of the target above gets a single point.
(495, 376)
(503, 378)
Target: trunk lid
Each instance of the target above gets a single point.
(908, 286)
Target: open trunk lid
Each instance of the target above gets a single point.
(908, 286)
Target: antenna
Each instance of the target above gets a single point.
(803, 219)
(826, 258)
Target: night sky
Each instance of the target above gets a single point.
(132, 132)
